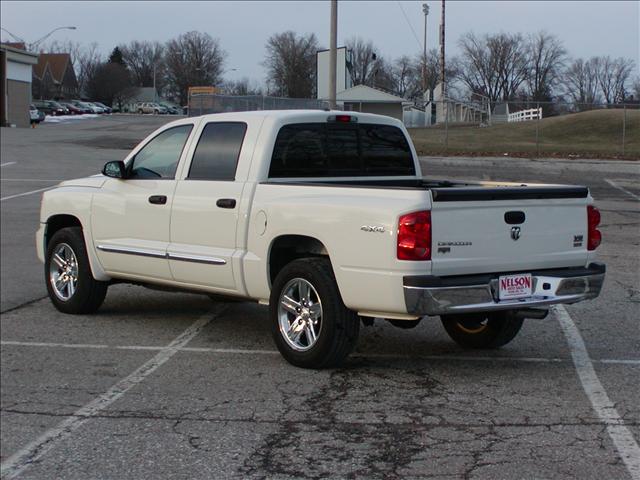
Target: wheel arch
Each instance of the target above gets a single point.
(286, 248)
(58, 221)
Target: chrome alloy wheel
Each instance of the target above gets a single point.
(63, 272)
(300, 314)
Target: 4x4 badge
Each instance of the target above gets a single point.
(515, 233)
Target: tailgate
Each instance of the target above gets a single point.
(508, 229)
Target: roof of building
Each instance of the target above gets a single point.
(19, 55)
(366, 94)
(16, 45)
(57, 65)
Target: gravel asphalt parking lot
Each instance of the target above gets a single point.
(174, 385)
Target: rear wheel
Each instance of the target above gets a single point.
(482, 330)
(311, 326)
(70, 283)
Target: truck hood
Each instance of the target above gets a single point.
(94, 181)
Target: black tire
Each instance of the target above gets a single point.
(339, 326)
(89, 293)
(482, 330)
(140, 112)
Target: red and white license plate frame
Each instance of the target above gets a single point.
(512, 287)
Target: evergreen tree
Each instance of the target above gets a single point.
(116, 57)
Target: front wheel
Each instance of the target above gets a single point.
(70, 283)
(482, 330)
(311, 326)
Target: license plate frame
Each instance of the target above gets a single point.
(515, 287)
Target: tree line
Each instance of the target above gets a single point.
(498, 67)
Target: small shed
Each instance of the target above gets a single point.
(15, 85)
(363, 98)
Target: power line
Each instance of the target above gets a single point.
(415, 35)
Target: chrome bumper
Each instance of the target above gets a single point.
(426, 295)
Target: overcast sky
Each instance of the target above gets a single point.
(586, 28)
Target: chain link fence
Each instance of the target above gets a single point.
(529, 129)
(473, 128)
(202, 104)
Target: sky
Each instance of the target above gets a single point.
(587, 28)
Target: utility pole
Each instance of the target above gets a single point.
(425, 9)
(333, 54)
(442, 78)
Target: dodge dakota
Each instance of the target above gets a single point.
(326, 217)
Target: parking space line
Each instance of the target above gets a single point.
(243, 351)
(621, 436)
(32, 452)
(622, 189)
(26, 193)
(6, 164)
(31, 180)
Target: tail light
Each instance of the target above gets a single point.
(414, 236)
(594, 237)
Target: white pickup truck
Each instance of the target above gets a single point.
(326, 217)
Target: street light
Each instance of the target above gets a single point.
(32, 46)
(37, 42)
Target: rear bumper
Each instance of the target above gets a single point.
(427, 295)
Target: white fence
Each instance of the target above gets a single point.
(525, 115)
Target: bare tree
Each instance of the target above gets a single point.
(193, 59)
(291, 64)
(363, 60)
(478, 67)
(613, 75)
(546, 58)
(581, 83)
(244, 86)
(493, 65)
(404, 77)
(145, 60)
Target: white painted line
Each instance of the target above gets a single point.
(6, 164)
(621, 436)
(25, 193)
(32, 452)
(622, 189)
(244, 351)
(46, 180)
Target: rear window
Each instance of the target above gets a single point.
(340, 150)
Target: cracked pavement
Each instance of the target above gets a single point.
(409, 404)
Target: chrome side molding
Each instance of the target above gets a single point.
(143, 252)
(195, 258)
(184, 257)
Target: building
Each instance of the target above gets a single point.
(54, 77)
(15, 86)
(362, 98)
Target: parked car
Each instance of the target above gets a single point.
(171, 109)
(325, 217)
(96, 109)
(73, 110)
(150, 107)
(82, 106)
(35, 115)
(50, 107)
(105, 108)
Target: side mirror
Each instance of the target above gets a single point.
(115, 169)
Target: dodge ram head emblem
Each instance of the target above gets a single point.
(515, 233)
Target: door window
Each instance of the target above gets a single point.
(159, 158)
(216, 156)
